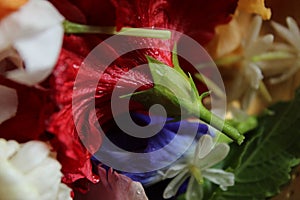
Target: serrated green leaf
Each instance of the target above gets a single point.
(263, 164)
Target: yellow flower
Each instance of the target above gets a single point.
(255, 6)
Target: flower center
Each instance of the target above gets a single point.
(196, 172)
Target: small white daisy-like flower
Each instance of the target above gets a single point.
(291, 34)
(247, 83)
(198, 167)
(27, 171)
(31, 38)
(260, 58)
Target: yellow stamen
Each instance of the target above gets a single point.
(9, 6)
(196, 172)
(255, 6)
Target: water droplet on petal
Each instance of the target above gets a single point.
(96, 178)
(125, 69)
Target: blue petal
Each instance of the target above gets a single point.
(156, 142)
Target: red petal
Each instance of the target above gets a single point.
(71, 152)
(34, 108)
(73, 156)
(194, 18)
(69, 10)
(93, 12)
(114, 186)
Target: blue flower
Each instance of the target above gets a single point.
(156, 142)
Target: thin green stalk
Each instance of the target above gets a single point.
(75, 28)
(273, 55)
(219, 123)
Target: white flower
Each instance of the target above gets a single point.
(291, 35)
(33, 34)
(247, 83)
(28, 172)
(205, 156)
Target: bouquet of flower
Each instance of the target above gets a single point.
(136, 100)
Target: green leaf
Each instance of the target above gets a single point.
(263, 163)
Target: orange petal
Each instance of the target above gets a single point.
(9, 6)
(255, 6)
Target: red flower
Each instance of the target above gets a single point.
(196, 19)
(70, 152)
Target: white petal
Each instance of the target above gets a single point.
(204, 146)
(293, 27)
(13, 184)
(46, 175)
(8, 103)
(11, 148)
(260, 46)
(30, 155)
(286, 75)
(219, 177)
(194, 190)
(175, 184)
(64, 193)
(34, 17)
(174, 170)
(8, 148)
(217, 154)
(255, 27)
(36, 32)
(254, 74)
(40, 54)
(286, 34)
(39, 179)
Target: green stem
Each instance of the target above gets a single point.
(268, 56)
(219, 123)
(210, 84)
(75, 28)
(228, 60)
(274, 55)
(264, 92)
